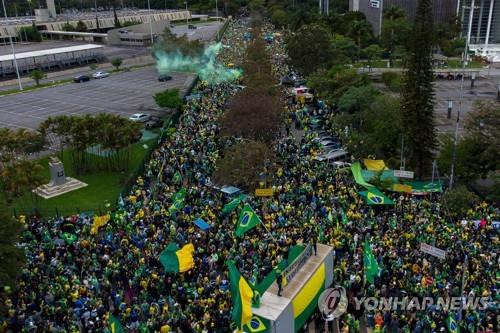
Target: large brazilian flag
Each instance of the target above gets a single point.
(247, 220)
(242, 297)
(256, 325)
(177, 261)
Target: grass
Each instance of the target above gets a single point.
(35, 87)
(103, 187)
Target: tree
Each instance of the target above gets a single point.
(477, 153)
(11, 256)
(357, 99)
(169, 98)
(241, 165)
(372, 53)
(37, 75)
(68, 27)
(252, 115)
(116, 62)
(332, 84)
(81, 27)
(278, 17)
(418, 97)
(395, 30)
(171, 43)
(310, 48)
(360, 31)
(30, 33)
(459, 200)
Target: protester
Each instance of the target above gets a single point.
(74, 284)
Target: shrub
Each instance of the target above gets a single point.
(392, 80)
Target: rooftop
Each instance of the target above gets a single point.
(39, 53)
(85, 15)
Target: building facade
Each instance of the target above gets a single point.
(373, 9)
(481, 23)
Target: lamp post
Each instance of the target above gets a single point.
(13, 49)
(187, 15)
(450, 107)
(150, 23)
(96, 18)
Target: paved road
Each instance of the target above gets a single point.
(123, 94)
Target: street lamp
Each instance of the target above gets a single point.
(13, 50)
(450, 107)
(150, 23)
(187, 14)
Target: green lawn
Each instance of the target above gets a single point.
(35, 87)
(103, 187)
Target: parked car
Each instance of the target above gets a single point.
(164, 78)
(140, 117)
(100, 75)
(81, 78)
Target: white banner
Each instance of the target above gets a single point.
(433, 251)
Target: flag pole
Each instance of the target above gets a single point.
(267, 230)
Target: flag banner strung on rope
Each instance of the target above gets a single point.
(115, 325)
(177, 261)
(370, 263)
(256, 325)
(98, 222)
(374, 165)
(358, 176)
(375, 197)
(452, 325)
(233, 204)
(241, 295)
(247, 220)
(178, 201)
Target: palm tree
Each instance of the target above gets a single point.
(358, 31)
(392, 14)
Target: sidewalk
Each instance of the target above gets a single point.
(69, 73)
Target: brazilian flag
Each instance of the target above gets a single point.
(255, 325)
(115, 325)
(374, 197)
(246, 221)
(233, 204)
(242, 296)
(178, 201)
(452, 325)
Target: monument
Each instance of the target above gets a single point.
(59, 183)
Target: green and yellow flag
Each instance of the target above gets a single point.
(246, 221)
(175, 260)
(374, 197)
(231, 205)
(178, 201)
(452, 325)
(371, 265)
(242, 297)
(115, 325)
(255, 325)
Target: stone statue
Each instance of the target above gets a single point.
(57, 175)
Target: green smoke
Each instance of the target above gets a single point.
(205, 65)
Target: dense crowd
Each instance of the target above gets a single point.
(74, 285)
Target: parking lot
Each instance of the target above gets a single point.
(122, 93)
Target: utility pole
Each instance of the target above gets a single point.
(13, 49)
(187, 16)
(96, 18)
(465, 59)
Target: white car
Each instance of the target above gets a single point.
(140, 117)
(100, 75)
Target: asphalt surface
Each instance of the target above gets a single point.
(123, 93)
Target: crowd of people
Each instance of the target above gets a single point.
(76, 284)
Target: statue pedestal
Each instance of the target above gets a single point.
(59, 183)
